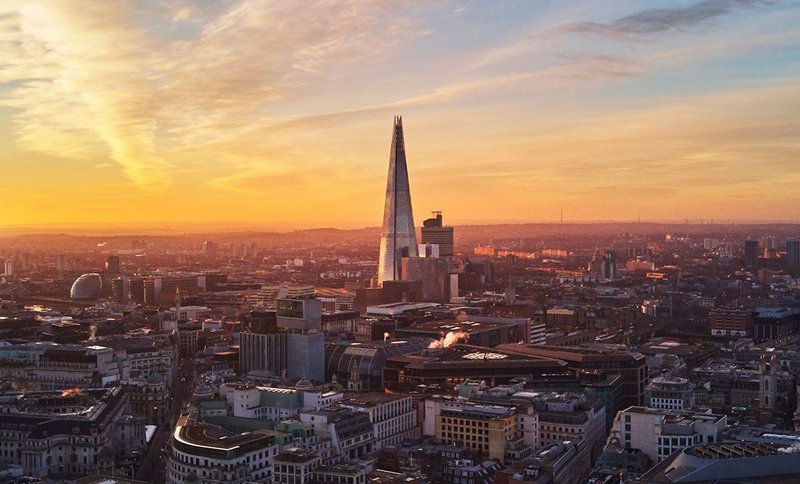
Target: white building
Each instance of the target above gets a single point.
(669, 393)
(45, 365)
(393, 417)
(571, 417)
(658, 432)
(538, 333)
(275, 403)
(350, 433)
(205, 453)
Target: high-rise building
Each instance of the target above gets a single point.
(750, 253)
(209, 248)
(793, 254)
(434, 275)
(609, 266)
(26, 261)
(398, 238)
(61, 262)
(112, 264)
(301, 318)
(433, 232)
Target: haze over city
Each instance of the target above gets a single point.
(399, 242)
(244, 114)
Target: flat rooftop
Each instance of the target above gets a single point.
(436, 328)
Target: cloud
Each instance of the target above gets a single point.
(653, 21)
(93, 79)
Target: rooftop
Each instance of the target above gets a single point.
(728, 462)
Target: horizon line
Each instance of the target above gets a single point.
(157, 228)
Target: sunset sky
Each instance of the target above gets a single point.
(279, 114)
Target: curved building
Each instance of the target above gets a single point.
(87, 286)
(368, 359)
(204, 452)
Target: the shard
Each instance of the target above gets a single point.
(398, 238)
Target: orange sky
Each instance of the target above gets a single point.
(262, 114)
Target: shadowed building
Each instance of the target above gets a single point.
(398, 238)
(434, 232)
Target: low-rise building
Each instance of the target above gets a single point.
(393, 417)
(571, 417)
(298, 466)
(275, 403)
(207, 452)
(68, 433)
(350, 433)
(481, 428)
(658, 432)
(670, 393)
(728, 462)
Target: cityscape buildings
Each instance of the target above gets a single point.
(535, 353)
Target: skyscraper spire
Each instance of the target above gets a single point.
(398, 237)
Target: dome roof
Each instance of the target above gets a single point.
(203, 392)
(304, 384)
(87, 286)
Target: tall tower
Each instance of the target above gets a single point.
(751, 253)
(398, 238)
(793, 254)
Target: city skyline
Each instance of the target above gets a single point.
(156, 114)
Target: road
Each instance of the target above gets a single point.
(154, 464)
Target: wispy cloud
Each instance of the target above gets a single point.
(97, 79)
(653, 21)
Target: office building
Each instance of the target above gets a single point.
(202, 451)
(730, 322)
(294, 346)
(751, 253)
(433, 232)
(670, 393)
(299, 466)
(301, 319)
(62, 264)
(462, 362)
(393, 417)
(275, 403)
(773, 323)
(398, 237)
(631, 365)
(481, 428)
(434, 275)
(67, 434)
(350, 433)
(571, 417)
(262, 351)
(793, 254)
(658, 432)
(728, 462)
(112, 264)
(609, 265)
(136, 290)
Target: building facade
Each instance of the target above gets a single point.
(398, 236)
